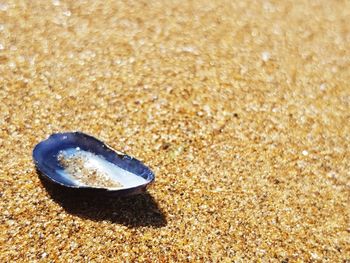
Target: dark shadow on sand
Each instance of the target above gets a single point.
(132, 211)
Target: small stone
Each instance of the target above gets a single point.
(323, 86)
(67, 13)
(56, 2)
(315, 256)
(3, 7)
(12, 65)
(305, 152)
(265, 56)
(332, 174)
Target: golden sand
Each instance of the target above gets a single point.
(242, 109)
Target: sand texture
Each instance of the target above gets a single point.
(241, 108)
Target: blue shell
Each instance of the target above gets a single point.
(135, 174)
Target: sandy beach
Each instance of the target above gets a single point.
(241, 109)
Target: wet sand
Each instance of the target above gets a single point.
(241, 108)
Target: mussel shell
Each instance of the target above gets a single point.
(45, 155)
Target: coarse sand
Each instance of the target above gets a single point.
(241, 108)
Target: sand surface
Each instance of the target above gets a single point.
(241, 108)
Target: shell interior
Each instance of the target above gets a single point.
(87, 169)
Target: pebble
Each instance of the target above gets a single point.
(265, 56)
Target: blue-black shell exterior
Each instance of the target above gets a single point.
(46, 161)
